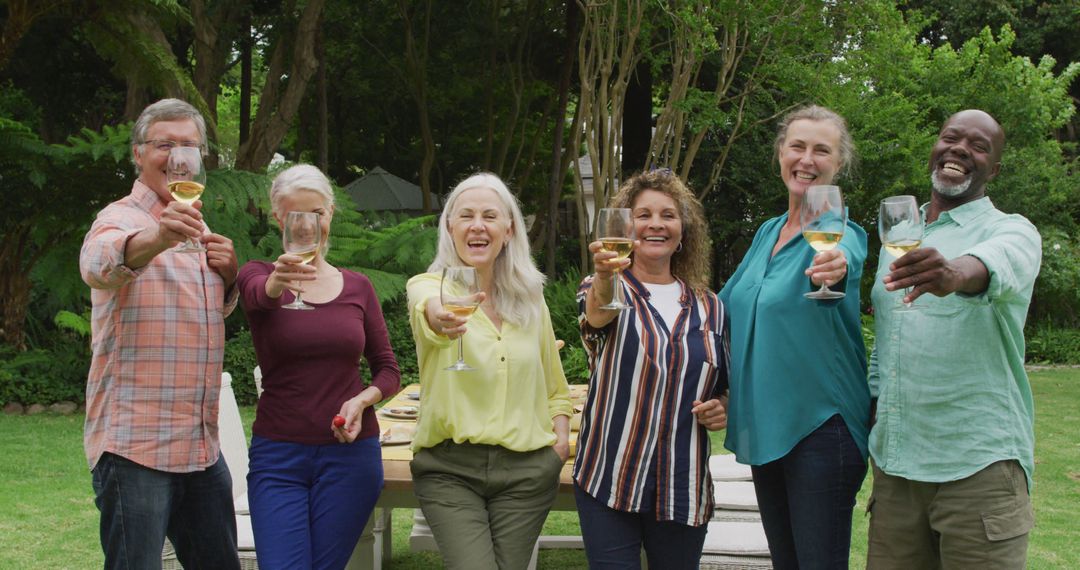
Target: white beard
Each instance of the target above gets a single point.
(943, 188)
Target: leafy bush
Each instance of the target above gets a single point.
(1047, 344)
(561, 297)
(45, 376)
(1057, 289)
(396, 315)
(239, 361)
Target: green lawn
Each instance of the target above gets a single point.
(48, 518)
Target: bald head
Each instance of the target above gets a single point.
(966, 156)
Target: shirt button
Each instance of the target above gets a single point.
(498, 338)
(502, 359)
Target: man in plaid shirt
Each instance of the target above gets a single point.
(151, 431)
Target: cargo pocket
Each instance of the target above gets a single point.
(1010, 522)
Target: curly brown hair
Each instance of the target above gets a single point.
(693, 262)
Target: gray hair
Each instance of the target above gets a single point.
(819, 113)
(166, 110)
(297, 178)
(519, 285)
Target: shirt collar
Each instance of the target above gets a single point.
(964, 213)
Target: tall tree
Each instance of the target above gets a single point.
(292, 66)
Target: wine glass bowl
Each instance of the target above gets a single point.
(459, 293)
(900, 226)
(186, 179)
(301, 235)
(616, 233)
(823, 219)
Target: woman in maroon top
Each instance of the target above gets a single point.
(311, 485)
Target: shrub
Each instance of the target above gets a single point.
(396, 315)
(561, 297)
(45, 375)
(1047, 344)
(240, 361)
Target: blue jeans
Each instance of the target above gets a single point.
(613, 539)
(806, 499)
(141, 506)
(309, 503)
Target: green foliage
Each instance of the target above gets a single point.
(1057, 289)
(240, 362)
(44, 376)
(78, 324)
(1047, 344)
(396, 315)
(561, 298)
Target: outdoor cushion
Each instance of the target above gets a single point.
(738, 495)
(742, 538)
(725, 468)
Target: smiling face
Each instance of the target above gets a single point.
(307, 201)
(658, 226)
(809, 154)
(480, 226)
(151, 161)
(966, 156)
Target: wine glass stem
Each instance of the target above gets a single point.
(298, 299)
(461, 349)
(616, 295)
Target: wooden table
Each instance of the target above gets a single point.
(376, 543)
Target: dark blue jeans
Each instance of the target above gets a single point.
(141, 506)
(613, 539)
(806, 499)
(309, 503)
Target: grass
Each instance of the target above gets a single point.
(48, 518)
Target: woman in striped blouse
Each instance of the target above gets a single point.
(658, 371)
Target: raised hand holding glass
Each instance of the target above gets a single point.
(900, 225)
(823, 218)
(459, 293)
(302, 235)
(615, 230)
(186, 178)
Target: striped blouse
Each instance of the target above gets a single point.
(637, 420)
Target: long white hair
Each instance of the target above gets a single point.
(519, 285)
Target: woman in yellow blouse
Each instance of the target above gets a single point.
(490, 442)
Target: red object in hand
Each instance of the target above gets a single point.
(339, 422)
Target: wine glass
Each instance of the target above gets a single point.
(615, 230)
(186, 179)
(900, 225)
(302, 236)
(823, 219)
(459, 293)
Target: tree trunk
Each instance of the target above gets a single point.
(245, 80)
(416, 73)
(323, 135)
(277, 108)
(14, 286)
(558, 164)
(637, 120)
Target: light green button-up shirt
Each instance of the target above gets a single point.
(949, 376)
(511, 397)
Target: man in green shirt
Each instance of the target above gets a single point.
(953, 443)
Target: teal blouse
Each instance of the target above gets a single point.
(795, 362)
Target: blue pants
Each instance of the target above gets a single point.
(806, 499)
(309, 503)
(141, 506)
(613, 539)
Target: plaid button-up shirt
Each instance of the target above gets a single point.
(158, 338)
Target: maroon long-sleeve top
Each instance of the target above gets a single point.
(310, 359)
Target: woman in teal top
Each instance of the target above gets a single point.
(800, 405)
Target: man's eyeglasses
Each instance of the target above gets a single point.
(165, 145)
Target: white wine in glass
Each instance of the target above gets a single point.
(823, 219)
(900, 226)
(186, 180)
(459, 293)
(615, 230)
(302, 235)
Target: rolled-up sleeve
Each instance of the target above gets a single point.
(1012, 257)
(421, 288)
(101, 259)
(557, 389)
